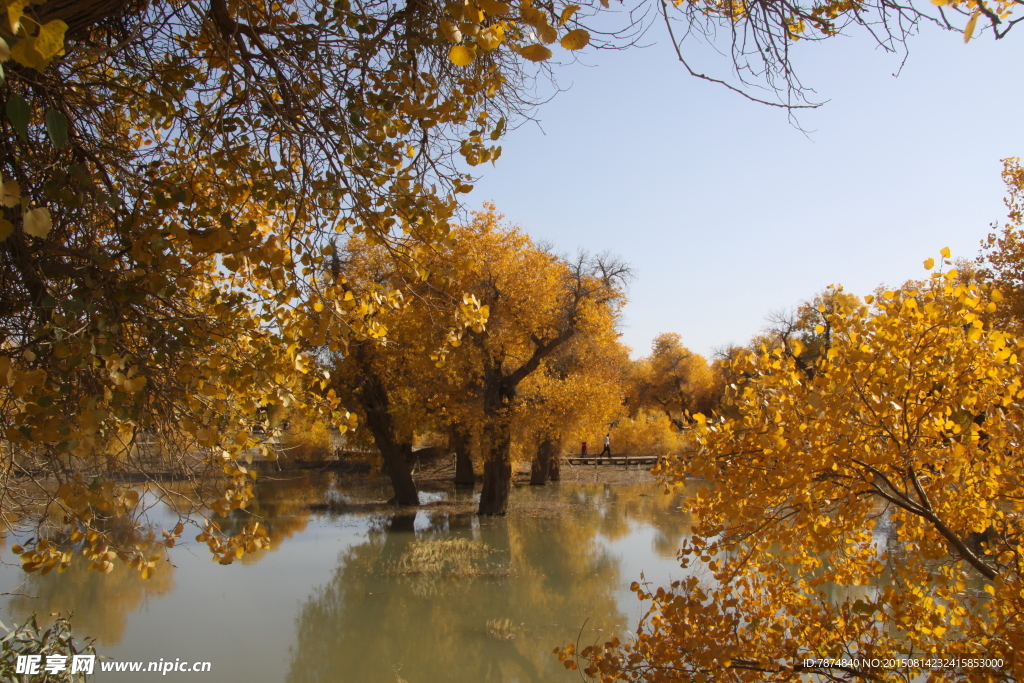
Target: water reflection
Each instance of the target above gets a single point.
(367, 595)
(100, 602)
(394, 611)
(464, 598)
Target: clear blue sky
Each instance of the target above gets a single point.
(728, 212)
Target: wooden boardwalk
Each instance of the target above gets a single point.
(624, 460)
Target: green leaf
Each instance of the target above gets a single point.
(57, 128)
(18, 113)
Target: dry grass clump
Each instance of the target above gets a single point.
(501, 629)
(455, 557)
(429, 565)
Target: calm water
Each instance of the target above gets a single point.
(367, 597)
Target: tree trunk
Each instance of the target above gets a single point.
(464, 475)
(540, 468)
(400, 474)
(497, 482)
(554, 470)
(497, 441)
(81, 15)
(374, 399)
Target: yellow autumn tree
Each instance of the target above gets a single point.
(537, 304)
(1002, 258)
(547, 358)
(863, 508)
(172, 179)
(397, 385)
(577, 394)
(674, 380)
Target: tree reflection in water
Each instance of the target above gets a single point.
(100, 603)
(462, 598)
(439, 596)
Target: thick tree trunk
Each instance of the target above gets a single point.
(497, 440)
(82, 15)
(397, 467)
(540, 469)
(497, 482)
(554, 471)
(374, 399)
(464, 475)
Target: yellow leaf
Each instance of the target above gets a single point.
(493, 7)
(576, 39)
(11, 193)
(5, 229)
(24, 52)
(818, 329)
(461, 55)
(15, 10)
(50, 41)
(547, 33)
(5, 50)
(969, 29)
(533, 16)
(945, 252)
(567, 14)
(929, 264)
(488, 39)
(451, 32)
(535, 53)
(37, 222)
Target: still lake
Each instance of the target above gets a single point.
(347, 594)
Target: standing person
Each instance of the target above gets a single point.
(607, 445)
(583, 448)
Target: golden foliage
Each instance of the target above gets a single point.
(307, 437)
(1002, 260)
(548, 360)
(864, 507)
(674, 380)
(648, 433)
